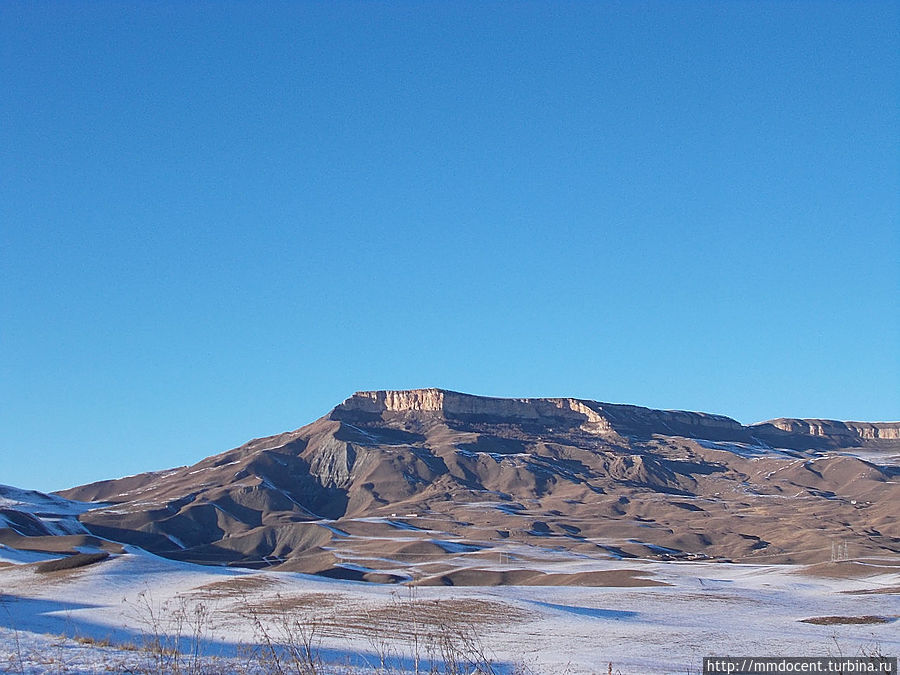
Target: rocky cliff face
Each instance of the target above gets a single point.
(454, 404)
(865, 431)
(625, 420)
(591, 416)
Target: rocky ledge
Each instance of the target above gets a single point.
(625, 420)
(832, 428)
(591, 416)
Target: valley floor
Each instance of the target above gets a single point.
(103, 616)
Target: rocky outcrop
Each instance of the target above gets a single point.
(805, 434)
(613, 418)
(591, 416)
(333, 463)
(838, 430)
(453, 404)
(629, 420)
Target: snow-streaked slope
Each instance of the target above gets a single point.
(55, 515)
(38, 503)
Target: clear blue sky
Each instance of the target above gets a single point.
(218, 220)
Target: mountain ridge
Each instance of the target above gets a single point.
(432, 479)
(605, 415)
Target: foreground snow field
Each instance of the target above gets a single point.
(91, 619)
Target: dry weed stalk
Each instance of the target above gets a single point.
(166, 626)
(287, 647)
(17, 661)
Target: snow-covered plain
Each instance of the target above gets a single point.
(707, 609)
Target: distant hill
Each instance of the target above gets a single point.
(36, 522)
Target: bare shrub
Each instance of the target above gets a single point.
(16, 661)
(286, 644)
(167, 627)
(287, 640)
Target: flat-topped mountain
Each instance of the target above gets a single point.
(589, 416)
(426, 482)
(596, 417)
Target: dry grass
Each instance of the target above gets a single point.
(235, 587)
(402, 618)
(294, 604)
(848, 620)
(886, 590)
(95, 642)
(71, 562)
(437, 636)
(441, 637)
(462, 612)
